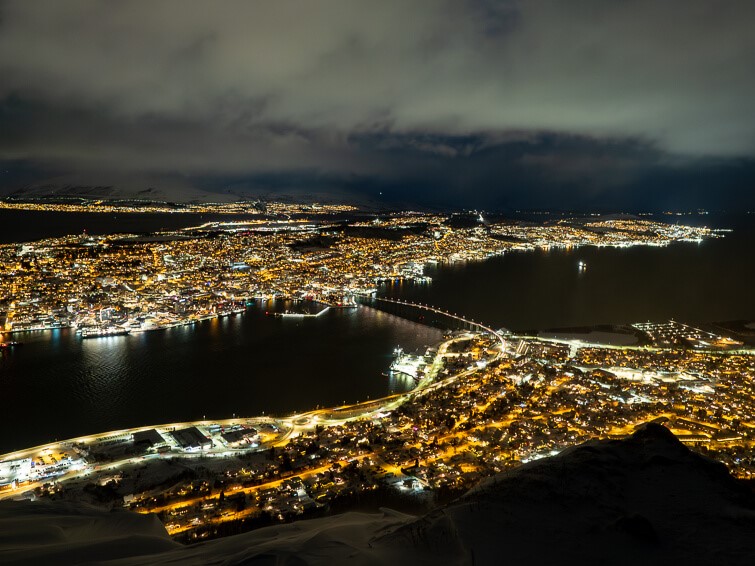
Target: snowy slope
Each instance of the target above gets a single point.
(143, 189)
(146, 188)
(643, 500)
(63, 533)
(646, 499)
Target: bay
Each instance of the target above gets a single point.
(713, 280)
(58, 386)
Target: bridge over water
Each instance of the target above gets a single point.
(426, 314)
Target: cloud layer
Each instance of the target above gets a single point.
(376, 89)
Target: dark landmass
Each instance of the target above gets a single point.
(742, 330)
(646, 499)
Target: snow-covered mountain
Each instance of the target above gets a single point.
(157, 189)
(646, 499)
(120, 188)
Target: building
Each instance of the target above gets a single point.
(149, 439)
(14, 471)
(191, 439)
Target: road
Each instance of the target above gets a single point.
(288, 427)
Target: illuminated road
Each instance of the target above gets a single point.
(436, 310)
(287, 427)
(577, 343)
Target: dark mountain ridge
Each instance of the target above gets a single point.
(646, 499)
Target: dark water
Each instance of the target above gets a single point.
(710, 281)
(27, 226)
(59, 386)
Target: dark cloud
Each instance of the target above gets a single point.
(484, 97)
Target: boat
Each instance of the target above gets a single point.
(407, 364)
(95, 332)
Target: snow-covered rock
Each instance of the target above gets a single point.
(646, 499)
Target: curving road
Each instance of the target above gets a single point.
(288, 427)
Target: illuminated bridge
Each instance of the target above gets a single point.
(400, 307)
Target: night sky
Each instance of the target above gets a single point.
(631, 105)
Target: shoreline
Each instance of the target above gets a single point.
(423, 384)
(285, 428)
(191, 321)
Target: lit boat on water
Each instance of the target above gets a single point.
(407, 364)
(101, 332)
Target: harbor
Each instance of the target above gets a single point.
(413, 366)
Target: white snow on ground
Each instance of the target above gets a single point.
(161, 189)
(594, 337)
(64, 533)
(643, 500)
(119, 187)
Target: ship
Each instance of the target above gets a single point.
(101, 332)
(407, 364)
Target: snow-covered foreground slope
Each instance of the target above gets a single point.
(64, 533)
(642, 500)
(646, 499)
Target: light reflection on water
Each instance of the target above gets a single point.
(65, 386)
(706, 281)
(62, 386)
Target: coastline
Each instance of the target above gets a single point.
(288, 427)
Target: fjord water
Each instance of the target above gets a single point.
(28, 226)
(59, 386)
(713, 280)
